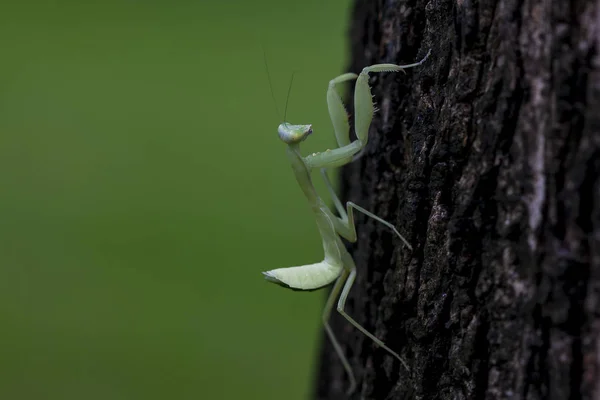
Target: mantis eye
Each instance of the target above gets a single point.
(291, 134)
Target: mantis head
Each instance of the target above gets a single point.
(292, 134)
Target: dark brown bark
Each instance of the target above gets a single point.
(487, 158)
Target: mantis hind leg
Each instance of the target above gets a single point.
(340, 308)
(335, 291)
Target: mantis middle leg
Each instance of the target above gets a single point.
(344, 225)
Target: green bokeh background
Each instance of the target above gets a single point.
(143, 189)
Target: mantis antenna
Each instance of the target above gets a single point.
(287, 98)
(270, 84)
(337, 265)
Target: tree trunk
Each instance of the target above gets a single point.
(487, 158)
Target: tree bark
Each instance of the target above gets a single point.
(487, 159)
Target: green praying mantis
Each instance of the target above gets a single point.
(337, 264)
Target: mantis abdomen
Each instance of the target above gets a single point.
(305, 277)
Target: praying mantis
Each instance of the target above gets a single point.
(337, 264)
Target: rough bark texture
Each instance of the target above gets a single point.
(487, 158)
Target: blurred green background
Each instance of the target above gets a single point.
(143, 189)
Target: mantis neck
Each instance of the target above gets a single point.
(331, 241)
(302, 173)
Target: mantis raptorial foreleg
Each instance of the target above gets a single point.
(337, 264)
(337, 111)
